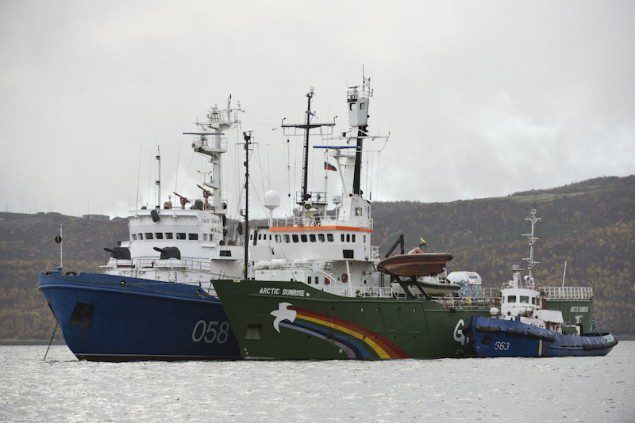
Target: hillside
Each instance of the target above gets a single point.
(590, 224)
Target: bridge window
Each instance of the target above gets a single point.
(158, 235)
(533, 300)
(364, 239)
(181, 235)
(353, 237)
(225, 253)
(169, 235)
(348, 254)
(321, 237)
(149, 235)
(312, 237)
(141, 237)
(204, 237)
(193, 237)
(295, 238)
(134, 237)
(287, 239)
(277, 238)
(511, 299)
(342, 237)
(303, 237)
(524, 299)
(329, 237)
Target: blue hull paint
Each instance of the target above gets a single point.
(113, 318)
(492, 337)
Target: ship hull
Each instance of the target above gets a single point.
(493, 337)
(113, 318)
(292, 321)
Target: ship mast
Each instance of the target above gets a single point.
(532, 238)
(306, 127)
(247, 137)
(358, 118)
(211, 143)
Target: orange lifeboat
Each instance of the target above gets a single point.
(415, 264)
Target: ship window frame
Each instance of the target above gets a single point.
(192, 236)
(348, 238)
(277, 238)
(134, 237)
(526, 299)
(169, 235)
(342, 237)
(308, 279)
(295, 238)
(149, 235)
(140, 236)
(158, 235)
(287, 239)
(510, 297)
(312, 238)
(353, 238)
(181, 236)
(330, 238)
(303, 238)
(321, 237)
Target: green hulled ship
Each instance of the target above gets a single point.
(316, 291)
(318, 288)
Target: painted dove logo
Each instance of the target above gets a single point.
(282, 313)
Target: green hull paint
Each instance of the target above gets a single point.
(572, 308)
(390, 328)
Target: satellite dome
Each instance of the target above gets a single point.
(337, 198)
(272, 199)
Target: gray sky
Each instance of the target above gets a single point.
(481, 98)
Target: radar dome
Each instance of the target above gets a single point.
(272, 199)
(337, 198)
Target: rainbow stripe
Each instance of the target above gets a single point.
(355, 340)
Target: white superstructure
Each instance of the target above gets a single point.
(186, 243)
(331, 250)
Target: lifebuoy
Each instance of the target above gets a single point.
(344, 277)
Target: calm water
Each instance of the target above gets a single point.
(63, 389)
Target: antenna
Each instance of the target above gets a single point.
(158, 181)
(564, 273)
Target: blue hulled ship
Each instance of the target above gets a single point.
(530, 320)
(154, 298)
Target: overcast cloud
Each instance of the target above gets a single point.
(481, 98)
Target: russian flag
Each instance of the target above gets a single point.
(328, 166)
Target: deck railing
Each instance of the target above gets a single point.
(567, 292)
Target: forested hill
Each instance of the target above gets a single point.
(590, 224)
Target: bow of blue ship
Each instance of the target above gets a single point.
(113, 318)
